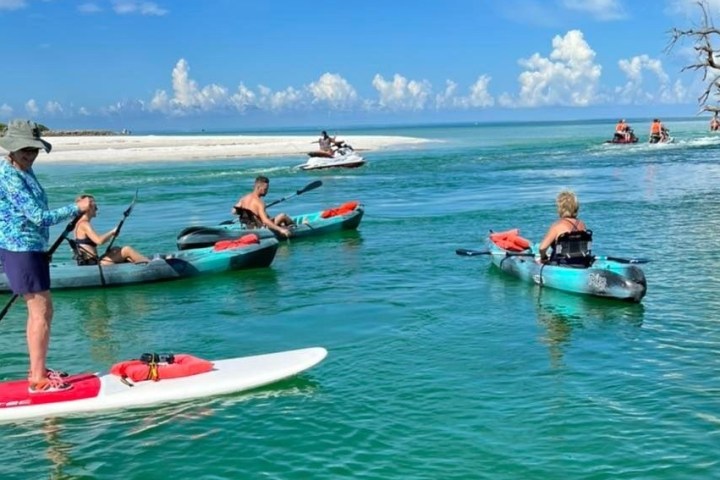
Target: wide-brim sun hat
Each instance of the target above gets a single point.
(23, 134)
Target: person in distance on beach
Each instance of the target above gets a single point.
(251, 209)
(567, 209)
(87, 240)
(24, 234)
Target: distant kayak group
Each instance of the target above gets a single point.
(624, 134)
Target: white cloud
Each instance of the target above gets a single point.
(31, 107)
(600, 9)
(478, 96)
(89, 8)
(636, 89)
(187, 96)
(12, 4)
(330, 89)
(243, 98)
(568, 77)
(83, 112)
(401, 94)
(6, 110)
(53, 108)
(131, 7)
(333, 90)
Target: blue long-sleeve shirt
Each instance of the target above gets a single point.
(25, 219)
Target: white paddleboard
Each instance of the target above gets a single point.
(93, 392)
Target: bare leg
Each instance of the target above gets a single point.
(40, 313)
(283, 220)
(133, 255)
(123, 255)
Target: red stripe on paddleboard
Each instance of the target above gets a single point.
(15, 393)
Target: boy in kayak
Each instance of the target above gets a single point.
(251, 209)
(567, 208)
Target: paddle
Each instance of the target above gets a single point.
(306, 188)
(70, 227)
(471, 253)
(126, 214)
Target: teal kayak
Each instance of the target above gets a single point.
(345, 217)
(171, 266)
(605, 277)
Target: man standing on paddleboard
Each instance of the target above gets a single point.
(24, 234)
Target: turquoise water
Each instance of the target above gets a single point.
(439, 366)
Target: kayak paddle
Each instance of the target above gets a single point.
(126, 214)
(471, 253)
(306, 188)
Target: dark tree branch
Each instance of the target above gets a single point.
(708, 61)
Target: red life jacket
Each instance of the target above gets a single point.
(343, 209)
(245, 240)
(510, 240)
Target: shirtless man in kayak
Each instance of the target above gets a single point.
(251, 209)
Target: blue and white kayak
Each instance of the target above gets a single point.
(604, 278)
(345, 217)
(172, 266)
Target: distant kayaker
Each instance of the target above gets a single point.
(251, 209)
(87, 240)
(567, 209)
(24, 234)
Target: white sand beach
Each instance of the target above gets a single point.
(131, 148)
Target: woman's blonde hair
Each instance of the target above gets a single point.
(567, 204)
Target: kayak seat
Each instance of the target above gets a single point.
(80, 255)
(573, 249)
(248, 218)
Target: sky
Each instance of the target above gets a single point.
(216, 64)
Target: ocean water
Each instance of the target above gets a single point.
(439, 366)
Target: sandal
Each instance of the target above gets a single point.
(49, 385)
(52, 373)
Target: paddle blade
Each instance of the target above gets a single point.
(471, 253)
(628, 260)
(310, 186)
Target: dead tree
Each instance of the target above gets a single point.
(707, 61)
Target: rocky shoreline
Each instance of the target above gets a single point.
(83, 133)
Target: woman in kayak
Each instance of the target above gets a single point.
(567, 208)
(87, 241)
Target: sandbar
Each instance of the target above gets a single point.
(149, 148)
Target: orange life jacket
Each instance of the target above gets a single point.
(343, 209)
(510, 240)
(620, 127)
(655, 128)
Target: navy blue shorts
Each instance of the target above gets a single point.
(27, 272)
